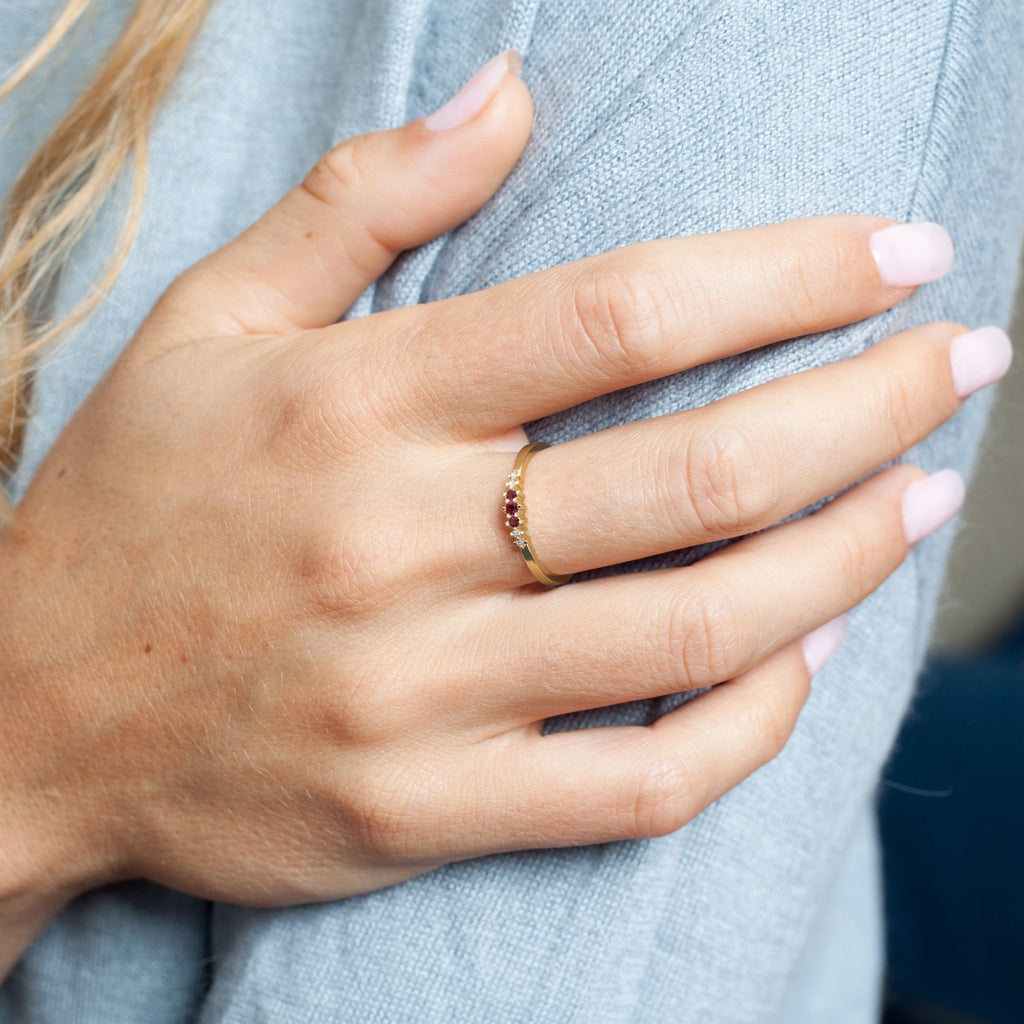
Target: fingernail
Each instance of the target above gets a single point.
(979, 358)
(931, 503)
(820, 645)
(476, 93)
(911, 254)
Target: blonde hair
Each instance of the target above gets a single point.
(73, 173)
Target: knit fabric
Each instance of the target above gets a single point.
(653, 119)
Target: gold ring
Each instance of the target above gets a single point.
(514, 507)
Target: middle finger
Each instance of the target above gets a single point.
(481, 364)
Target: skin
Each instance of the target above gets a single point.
(265, 638)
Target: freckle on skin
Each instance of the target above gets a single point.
(62, 472)
(309, 234)
(184, 659)
(148, 648)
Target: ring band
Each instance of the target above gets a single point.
(514, 507)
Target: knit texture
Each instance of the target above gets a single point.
(653, 119)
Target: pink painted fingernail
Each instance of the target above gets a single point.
(911, 254)
(931, 503)
(820, 645)
(979, 358)
(476, 93)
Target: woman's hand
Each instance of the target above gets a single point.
(266, 639)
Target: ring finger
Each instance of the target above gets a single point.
(740, 464)
(643, 635)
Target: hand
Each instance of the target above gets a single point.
(266, 639)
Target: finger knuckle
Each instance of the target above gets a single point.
(702, 638)
(377, 810)
(816, 272)
(660, 802)
(618, 313)
(855, 558)
(900, 408)
(768, 719)
(356, 571)
(343, 706)
(404, 808)
(805, 280)
(317, 410)
(726, 480)
(339, 175)
(174, 311)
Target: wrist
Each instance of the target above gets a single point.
(37, 878)
(54, 843)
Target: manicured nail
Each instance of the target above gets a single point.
(911, 254)
(476, 93)
(931, 503)
(820, 645)
(979, 359)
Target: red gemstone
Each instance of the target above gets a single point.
(511, 508)
(511, 495)
(513, 521)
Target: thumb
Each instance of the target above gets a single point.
(307, 260)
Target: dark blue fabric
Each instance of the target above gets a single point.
(952, 835)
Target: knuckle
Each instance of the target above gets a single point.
(660, 803)
(348, 707)
(342, 179)
(808, 280)
(365, 701)
(396, 811)
(703, 638)
(726, 482)
(339, 175)
(355, 572)
(768, 718)
(900, 408)
(855, 563)
(806, 274)
(618, 315)
(374, 809)
(318, 410)
(174, 312)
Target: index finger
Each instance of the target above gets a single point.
(487, 362)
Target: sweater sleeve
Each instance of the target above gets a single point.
(653, 119)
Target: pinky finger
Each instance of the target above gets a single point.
(635, 782)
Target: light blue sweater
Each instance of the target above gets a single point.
(656, 118)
